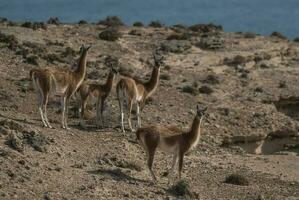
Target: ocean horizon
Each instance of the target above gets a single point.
(259, 16)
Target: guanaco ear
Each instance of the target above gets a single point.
(81, 49)
(88, 47)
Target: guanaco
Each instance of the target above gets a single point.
(130, 90)
(100, 91)
(63, 83)
(170, 139)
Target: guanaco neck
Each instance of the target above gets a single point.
(152, 84)
(109, 82)
(81, 69)
(194, 132)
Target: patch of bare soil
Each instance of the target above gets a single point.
(249, 147)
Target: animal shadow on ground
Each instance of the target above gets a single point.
(117, 175)
(19, 120)
(94, 128)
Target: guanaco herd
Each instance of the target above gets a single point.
(130, 91)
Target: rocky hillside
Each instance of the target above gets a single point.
(250, 143)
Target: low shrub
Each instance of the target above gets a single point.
(181, 189)
(190, 89)
(32, 59)
(205, 89)
(110, 34)
(296, 39)
(136, 32)
(165, 77)
(10, 40)
(27, 25)
(249, 35)
(205, 28)
(82, 22)
(138, 24)
(179, 36)
(111, 21)
(237, 179)
(156, 24)
(278, 35)
(54, 20)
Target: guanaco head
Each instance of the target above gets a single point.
(201, 111)
(112, 63)
(158, 59)
(84, 49)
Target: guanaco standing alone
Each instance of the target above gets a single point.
(171, 140)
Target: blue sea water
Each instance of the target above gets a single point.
(260, 16)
